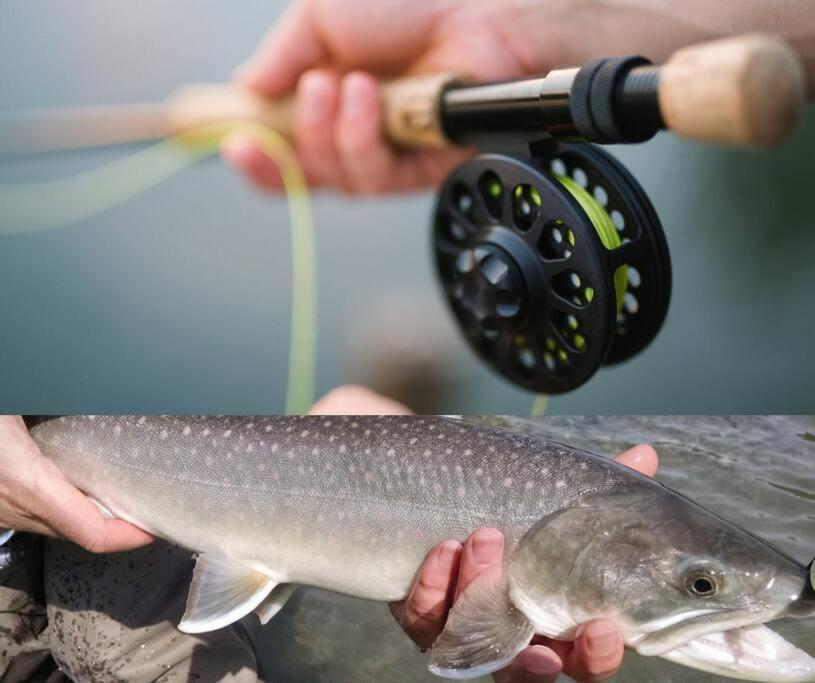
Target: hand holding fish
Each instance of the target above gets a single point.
(451, 566)
(36, 497)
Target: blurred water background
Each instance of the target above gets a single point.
(178, 301)
(756, 471)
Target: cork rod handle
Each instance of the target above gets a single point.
(411, 107)
(746, 91)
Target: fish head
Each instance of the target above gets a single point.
(683, 583)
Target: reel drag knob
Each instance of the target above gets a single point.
(539, 276)
(488, 288)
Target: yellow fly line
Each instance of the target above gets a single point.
(36, 207)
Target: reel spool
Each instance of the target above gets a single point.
(552, 265)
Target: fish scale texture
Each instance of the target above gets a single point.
(322, 500)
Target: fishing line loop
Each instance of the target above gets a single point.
(27, 208)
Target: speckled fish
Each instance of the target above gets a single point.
(353, 505)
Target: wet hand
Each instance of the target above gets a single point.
(595, 655)
(35, 496)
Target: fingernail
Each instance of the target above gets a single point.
(543, 667)
(447, 554)
(602, 639)
(354, 96)
(313, 98)
(540, 660)
(486, 545)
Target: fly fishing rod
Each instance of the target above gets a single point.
(550, 254)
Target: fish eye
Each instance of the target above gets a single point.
(702, 584)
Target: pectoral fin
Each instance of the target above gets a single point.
(275, 602)
(484, 632)
(222, 591)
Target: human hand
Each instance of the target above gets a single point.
(35, 496)
(331, 52)
(353, 399)
(595, 655)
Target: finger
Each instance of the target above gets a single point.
(72, 515)
(642, 458)
(424, 612)
(318, 101)
(292, 47)
(535, 664)
(243, 152)
(483, 553)
(597, 653)
(357, 400)
(368, 160)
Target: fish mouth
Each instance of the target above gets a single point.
(750, 653)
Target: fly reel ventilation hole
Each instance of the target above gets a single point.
(552, 266)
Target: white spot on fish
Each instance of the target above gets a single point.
(205, 432)
(186, 431)
(413, 441)
(343, 448)
(468, 452)
(437, 489)
(479, 471)
(528, 486)
(267, 428)
(227, 433)
(209, 461)
(327, 423)
(448, 451)
(315, 451)
(261, 466)
(304, 433)
(117, 430)
(275, 447)
(427, 453)
(251, 425)
(250, 448)
(560, 484)
(142, 420)
(163, 434)
(391, 452)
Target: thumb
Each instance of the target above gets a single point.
(72, 515)
(292, 47)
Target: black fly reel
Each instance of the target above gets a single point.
(553, 266)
